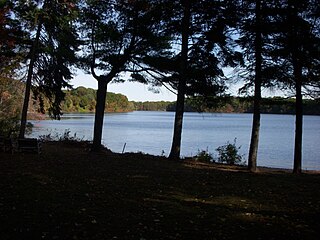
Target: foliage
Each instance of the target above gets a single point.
(229, 153)
(10, 32)
(204, 156)
(209, 47)
(151, 106)
(296, 49)
(273, 105)
(50, 53)
(83, 99)
(9, 127)
(11, 92)
(117, 35)
(65, 137)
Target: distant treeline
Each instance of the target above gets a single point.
(82, 99)
(274, 105)
(151, 106)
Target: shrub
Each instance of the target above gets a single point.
(229, 153)
(10, 127)
(65, 137)
(204, 156)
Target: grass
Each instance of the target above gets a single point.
(70, 193)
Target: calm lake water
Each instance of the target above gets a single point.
(151, 132)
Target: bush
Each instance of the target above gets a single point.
(65, 137)
(204, 156)
(10, 127)
(229, 153)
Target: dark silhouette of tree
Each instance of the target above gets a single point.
(29, 82)
(199, 30)
(205, 49)
(296, 57)
(177, 131)
(257, 29)
(251, 40)
(11, 33)
(303, 48)
(253, 152)
(52, 51)
(118, 36)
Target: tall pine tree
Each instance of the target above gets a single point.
(53, 44)
(118, 35)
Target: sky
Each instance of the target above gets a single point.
(133, 91)
(140, 93)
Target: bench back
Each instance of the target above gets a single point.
(28, 142)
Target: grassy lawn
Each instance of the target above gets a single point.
(70, 193)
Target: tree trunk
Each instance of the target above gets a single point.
(299, 121)
(296, 54)
(178, 122)
(99, 114)
(253, 151)
(24, 112)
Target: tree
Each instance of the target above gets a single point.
(296, 57)
(52, 51)
(303, 48)
(11, 93)
(10, 59)
(252, 36)
(177, 132)
(204, 51)
(202, 33)
(10, 32)
(257, 29)
(118, 35)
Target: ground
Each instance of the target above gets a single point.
(69, 192)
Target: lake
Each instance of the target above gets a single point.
(151, 132)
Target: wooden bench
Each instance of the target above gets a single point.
(5, 144)
(28, 145)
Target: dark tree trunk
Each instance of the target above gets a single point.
(99, 114)
(296, 56)
(253, 151)
(299, 121)
(178, 122)
(24, 112)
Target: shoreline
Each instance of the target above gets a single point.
(273, 154)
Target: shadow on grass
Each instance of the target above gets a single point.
(71, 193)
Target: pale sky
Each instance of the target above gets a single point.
(140, 92)
(134, 91)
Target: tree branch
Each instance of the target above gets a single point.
(93, 53)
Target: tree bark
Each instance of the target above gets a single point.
(299, 120)
(24, 112)
(178, 122)
(296, 58)
(99, 114)
(253, 151)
